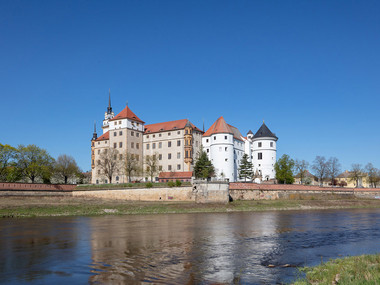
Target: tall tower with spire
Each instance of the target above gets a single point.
(188, 138)
(108, 115)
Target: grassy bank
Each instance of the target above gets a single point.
(70, 206)
(364, 269)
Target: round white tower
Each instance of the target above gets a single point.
(218, 142)
(264, 152)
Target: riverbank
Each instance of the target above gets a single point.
(73, 206)
(364, 269)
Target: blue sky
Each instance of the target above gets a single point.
(310, 69)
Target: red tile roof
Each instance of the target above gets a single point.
(126, 113)
(104, 137)
(221, 127)
(168, 126)
(184, 174)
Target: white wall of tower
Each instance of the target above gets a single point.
(264, 156)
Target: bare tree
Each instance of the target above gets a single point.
(373, 175)
(333, 169)
(151, 165)
(301, 167)
(131, 165)
(320, 167)
(356, 173)
(108, 163)
(65, 167)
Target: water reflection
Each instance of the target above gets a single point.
(182, 248)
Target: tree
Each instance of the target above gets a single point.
(203, 168)
(301, 167)
(373, 175)
(284, 170)
(131, 165)
(320, 167)
(65, 167)
(34, 162)
(7, 163)
(108, 163)
(333, 169)
(245, 168)
(151, 162)
(356, 173)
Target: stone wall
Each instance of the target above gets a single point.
(252, 191)
(36, 189)
(210, 192)
(142, 194)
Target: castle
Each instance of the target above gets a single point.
(176, 144)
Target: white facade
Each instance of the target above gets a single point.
(225, 147)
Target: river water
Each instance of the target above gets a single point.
(210, 248)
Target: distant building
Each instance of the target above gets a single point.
(308, 179)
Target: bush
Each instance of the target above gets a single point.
(171, 184)
(129, 185)
(178, 183)
(149, 185)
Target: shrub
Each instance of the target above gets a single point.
(171, 184)
(149, 185)
(129, 185)
(178, 183)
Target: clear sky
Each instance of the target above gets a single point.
(310, 69)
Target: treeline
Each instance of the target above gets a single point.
(325, 170)
(33, 164)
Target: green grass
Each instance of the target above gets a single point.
(355, 270)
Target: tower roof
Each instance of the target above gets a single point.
(109, 108)
(264, 132)
(249, 132)
(221, 127)
(126, 113)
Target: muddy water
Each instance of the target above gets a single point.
(181, 248)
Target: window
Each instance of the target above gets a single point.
(178, 132)
(196, 143)
(260, 155)
(132, 145)
(169, 134)
(121, 157)
(98, 151)
(160, 157)
(117, 178)
(260, 144)
(226, 159)
(185, 132)
(214, 137)
(160, 145)
(137, 134)
(169, 144)
(178, 143)
(271, 144)
(147, 146)
(154, 136)
(207, 150)
(147, 136)
(178, 155)
(160, 168)
(115, 145)
(169, 167)
(132, 134)
(120, 133)
(226, 148)
(98, 171)
(137, 145)
(153, 145)
(206, 140)
(120, 144)
(115, 157)
(119, 122)
(169, 156)
(137, 157)
(225, 137)
(178, 166)
(114, 134)
(159, 135)
(98, 163)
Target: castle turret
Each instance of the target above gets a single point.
(188, 145)
(264, 152)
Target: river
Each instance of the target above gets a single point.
(181, 248)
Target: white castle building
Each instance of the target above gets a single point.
(225, 147)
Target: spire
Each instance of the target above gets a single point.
(109, 109)
(94, 135)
